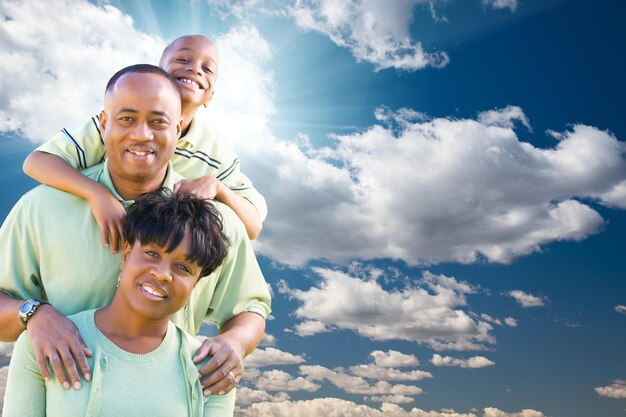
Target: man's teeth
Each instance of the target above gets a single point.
(139, 153)
(190, 82)
(153, 291)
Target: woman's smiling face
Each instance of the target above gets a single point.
(157, 283)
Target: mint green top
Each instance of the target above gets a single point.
(201, 152)
(162, 383)
(51, 249)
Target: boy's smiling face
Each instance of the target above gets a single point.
(192, 61)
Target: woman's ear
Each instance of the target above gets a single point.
(125, 252)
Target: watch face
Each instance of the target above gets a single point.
(26, 306)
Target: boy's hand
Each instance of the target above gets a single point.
(55, 339)
(109, 214)
(224, 370)
(204, 187)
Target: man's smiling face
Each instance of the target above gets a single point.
(140, 126)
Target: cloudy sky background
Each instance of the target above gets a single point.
(446, 183)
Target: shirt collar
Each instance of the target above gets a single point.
(171, 178)
(195, 131)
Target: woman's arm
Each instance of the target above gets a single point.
(25, 394)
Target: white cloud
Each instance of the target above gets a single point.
(338, 407)
(501, 4)
(505, 117)
(396, 399)
(383, 367)
(494, 412)
(55, 62)
(616, 390)
(276, 380)
(388, 374)
(490, 319)
(428, 311)
(393, 359)
(310, 327)
(510, 321)
(355, 384)
(620, 309)
(247, 396)
(271, 356)
(473, 362)
(470, 192)
(527, 300)
(373, 31)
(268, 339)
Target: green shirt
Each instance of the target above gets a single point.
(201, 152)
(162, 383)
(51, 249)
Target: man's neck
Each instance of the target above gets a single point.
(131, 189)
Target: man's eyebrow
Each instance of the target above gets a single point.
(160, 113)
(127, 110)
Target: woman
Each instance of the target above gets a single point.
(142, 363)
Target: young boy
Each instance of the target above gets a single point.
(201, 154)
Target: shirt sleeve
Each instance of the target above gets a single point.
(232, 177)
(219, 405)
(25, 393)
(19, 271)
(82, 147)
(240, 286)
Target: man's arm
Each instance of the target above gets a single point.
(238, 337)
(10, 325)
(54, 338)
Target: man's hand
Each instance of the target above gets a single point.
(109, 214)
(224, 370)
(204, 187)
(56, 339)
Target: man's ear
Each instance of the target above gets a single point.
(103, 121)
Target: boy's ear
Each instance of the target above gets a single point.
(206, 103)
(179, 128)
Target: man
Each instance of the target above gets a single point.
(50, 250)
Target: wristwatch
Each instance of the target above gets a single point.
(28, 309)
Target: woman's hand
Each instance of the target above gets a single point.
(224, 370)
(109, 214)
(56, 339)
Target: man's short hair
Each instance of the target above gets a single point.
(139, 69)
(161, 218)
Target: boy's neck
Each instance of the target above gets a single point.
(188, 111)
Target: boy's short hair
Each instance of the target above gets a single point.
(162, 218)
(140, 69)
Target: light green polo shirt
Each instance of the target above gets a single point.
(201, 152)
(161, 383)
(51, 249)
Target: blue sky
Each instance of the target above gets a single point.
(446, 183)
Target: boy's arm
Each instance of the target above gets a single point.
(212, 188)
(54, 171)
